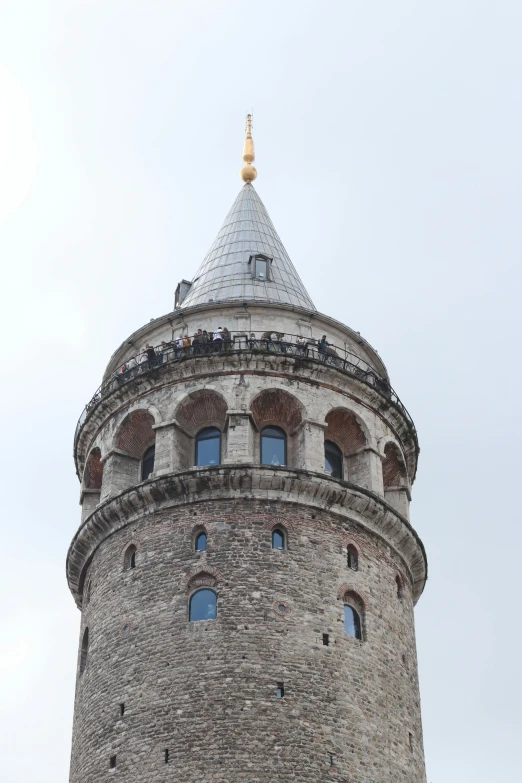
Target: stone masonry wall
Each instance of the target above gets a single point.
(206, 691)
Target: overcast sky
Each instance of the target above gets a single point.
(388, 140)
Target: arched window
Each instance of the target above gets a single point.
(352, 622)
(208, 447)
(84, 651)
(273, 446)
(352, 557)
(129, 560)
(200, 544)
(278, 539)
(333, 459)
(147, 462)
(203, 605)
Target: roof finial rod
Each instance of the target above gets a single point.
(248, 172)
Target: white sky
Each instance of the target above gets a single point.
(388, 139)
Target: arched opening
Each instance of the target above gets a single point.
(273, 446)
(333, 459)
(129, 559)
(84, 651)
(393, 468)
(352, 622)
(94, 470)
(278, 416)
(147, 462)
(200, 543)
(344, 436)
(208, 447)
(203, 605)
(200, 439)
(352, 557)
(278, 539)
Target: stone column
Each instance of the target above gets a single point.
(364, 467)
(89, 499)
(308, 441)
(120, 470)
(174, 448)
(399, 498)
(240, 437)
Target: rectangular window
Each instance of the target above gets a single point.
(112, 762)
(166, 755)
(122, 708)
(280, 692)
(326, 639)
(261, 268)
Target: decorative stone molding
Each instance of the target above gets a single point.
(297, 487)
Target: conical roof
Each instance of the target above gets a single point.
(226, 274)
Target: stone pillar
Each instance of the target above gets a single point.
(364, 467)
(89, 499)
(120, 470)
(240, 437)
(174, 448)
(399, 498)
(308, 441)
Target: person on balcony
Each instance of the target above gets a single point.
(252, 342)
(323, 348)
(301, 345)
(203, 341)
(218, 339)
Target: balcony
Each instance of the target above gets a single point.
(262, 343)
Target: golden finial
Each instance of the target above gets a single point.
(248, 172)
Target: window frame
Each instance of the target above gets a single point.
(284, 438)
(191, 598)
(358, 622)
(198, 439)
(282, 533)
(338, 454)
(198, 535)
(146, 455)
(253, 264)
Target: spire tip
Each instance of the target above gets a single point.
(248, 172)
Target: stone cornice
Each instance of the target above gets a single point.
(296, 487)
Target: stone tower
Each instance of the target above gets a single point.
(245, 566)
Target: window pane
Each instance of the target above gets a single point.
(147, 465)
(278, 540)
(333, 461)
(261, 268)
(273, 446)
(201, 542)
(208, 447)
(203, 605)
(352, 622)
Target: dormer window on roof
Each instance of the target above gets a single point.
(260, 266)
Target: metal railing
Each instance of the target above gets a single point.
(307, 349)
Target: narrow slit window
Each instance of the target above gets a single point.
(278, 539)
(352, 557)
(84, 653)
(201, 542)
(352, 622)
(147, 463)
(410, 739)
(280, 691)
(326, 639)
(129, 560)
(112, 762)
(166, 755)
(122, 708)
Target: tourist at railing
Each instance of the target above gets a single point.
(270, 341)
(301, 345)
(323, 348)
